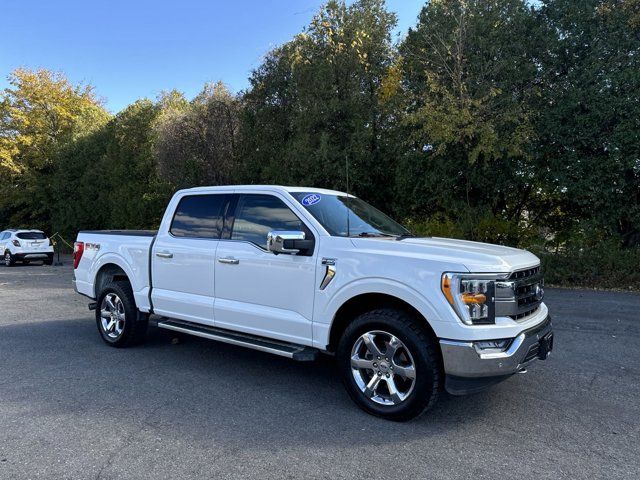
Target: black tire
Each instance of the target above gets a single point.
(8, 259)
(425, 355)
(135, 323)
(48, 261)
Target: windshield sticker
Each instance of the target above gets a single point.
(311, 199)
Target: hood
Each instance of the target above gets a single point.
(476, 257)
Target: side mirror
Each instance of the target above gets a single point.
(284, 241)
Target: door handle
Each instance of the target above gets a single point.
(229, 260)
(164, 255)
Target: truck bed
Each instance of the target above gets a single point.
(133, 233)
(128, 249)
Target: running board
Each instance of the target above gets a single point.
(284, 349)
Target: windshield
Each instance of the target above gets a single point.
(345, 216)
(31, 235)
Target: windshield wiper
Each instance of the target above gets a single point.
(372, 234)
(404, 235)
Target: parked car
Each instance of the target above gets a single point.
(299, 271)
(25, 246)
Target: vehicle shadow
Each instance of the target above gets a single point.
(189, 387)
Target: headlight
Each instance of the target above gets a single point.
(16, 243)
(471, 296)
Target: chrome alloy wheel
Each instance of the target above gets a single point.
(7, 259)
(112, 316)
(383, 367)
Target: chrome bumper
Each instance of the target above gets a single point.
(463, 360)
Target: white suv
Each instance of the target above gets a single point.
(25, 246)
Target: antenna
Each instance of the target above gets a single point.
(346, 164)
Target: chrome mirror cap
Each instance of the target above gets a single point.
(276, 241)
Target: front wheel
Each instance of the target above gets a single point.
(8, 259)
(390, 364)
(119, 321)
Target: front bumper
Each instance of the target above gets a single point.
(469, 369)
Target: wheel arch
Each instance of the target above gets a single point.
(365, 302)
(109, 272)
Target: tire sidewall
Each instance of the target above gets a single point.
(426, 370)
(130, 311)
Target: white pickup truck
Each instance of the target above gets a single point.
(297, 271)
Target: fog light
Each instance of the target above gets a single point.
(493, 345)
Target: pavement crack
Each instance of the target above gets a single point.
(128, 439)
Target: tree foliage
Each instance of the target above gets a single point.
(39, 113)
(196, 141)
(314, 104)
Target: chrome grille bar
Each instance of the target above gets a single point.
(521, 294)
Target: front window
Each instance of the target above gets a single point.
(258, 215)
(344, 216)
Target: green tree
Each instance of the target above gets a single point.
(589, 148)
(196, 141)
(470, 72)
(112, 175)
(314, 104)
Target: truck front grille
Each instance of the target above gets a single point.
(520, 295)
(529, 272)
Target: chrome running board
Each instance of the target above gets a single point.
(299, 353)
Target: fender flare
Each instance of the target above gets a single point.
(111, 259)
(383, 286)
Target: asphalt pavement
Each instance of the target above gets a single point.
(74, 408)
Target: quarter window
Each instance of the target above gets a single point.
(257, 215)
(198, 216)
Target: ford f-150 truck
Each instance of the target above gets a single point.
(297, 271)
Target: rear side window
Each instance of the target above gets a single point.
(257, 215)
(31, 236)
(198, 216)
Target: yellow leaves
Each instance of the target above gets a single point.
(8, 151)
(391, 82)
(38, 110)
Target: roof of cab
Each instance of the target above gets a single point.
(265, 188)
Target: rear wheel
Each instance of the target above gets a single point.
(119, 321)
(8, 259)
(390, 365)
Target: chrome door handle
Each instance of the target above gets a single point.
(229, 260)
(164, 255)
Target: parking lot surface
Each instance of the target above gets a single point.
(71, 407)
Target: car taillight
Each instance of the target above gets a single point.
(78, 250)
(15, 243)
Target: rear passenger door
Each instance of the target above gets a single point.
(257, 291)
(183, 259)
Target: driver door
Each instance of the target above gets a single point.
(257, 291)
